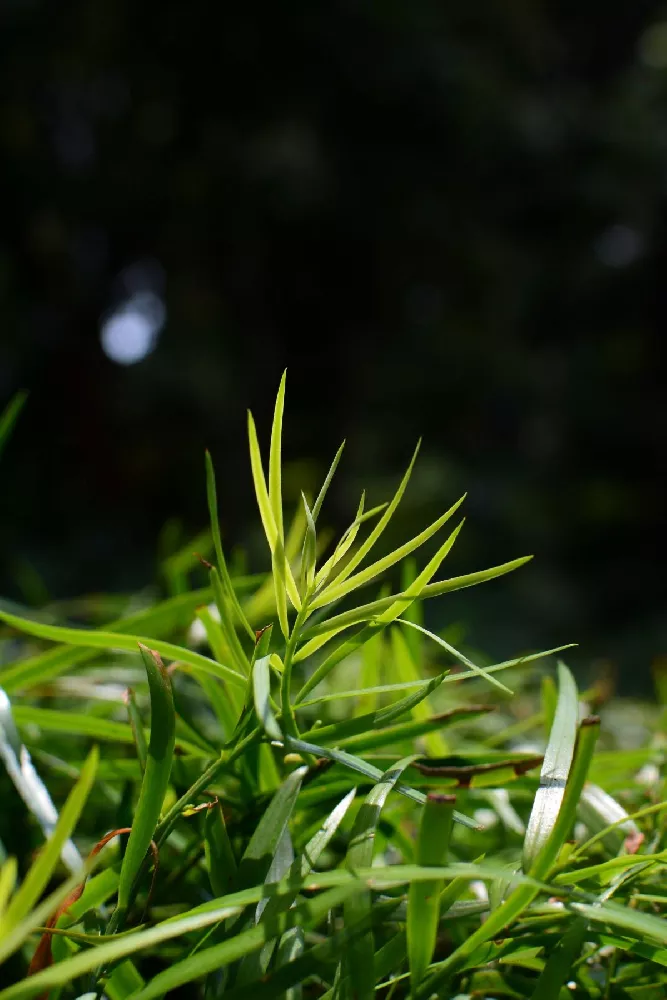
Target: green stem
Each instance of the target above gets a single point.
(287, 711)
(205, 779)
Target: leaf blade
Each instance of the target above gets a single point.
(154, 782)
(40, 872)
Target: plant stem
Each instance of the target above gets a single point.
(207, 777)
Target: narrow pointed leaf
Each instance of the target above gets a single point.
(557, 761)
(472, 579)
(41, 871)
(8, 874)
(405, 669)
(27, 781)
(226, 613)
(480, 671)
(347, 540)
(262, 694)
(405, 731)
(600, 812)
(519, 898)
(212, 497)
(304, 862)
(327, 482)
(213, 912)
(366, 546)
(52, 720)
(309, 553)
(374, 721)
(338, 589)
(644, 926)
(155, 779)
(265, 508)
(263, 844)
(275, 460)
(424, 897)
(174, 613)
(97, 639)
(361, 766)
(381, 612)
(220, 860)
(360, 955)
(137, 728)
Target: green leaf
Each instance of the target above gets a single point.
(393, 735)
(259, 853)
(275, 460)
(220, 860)
(97, 639)
(368, 687)
(74, 723)
(41, 871)
(278, 557)
(8, 873)
(308, 913)
(279, 569)
(137, 728)
(368, 770)
(290, 949)
(16, 937)
(226, 612)
(261, 676)
(387, 609)
(472, 579)
(220, 909)
(327, 482)
(381, 613)
(360, 955)
(424, 897)
(603, 814)
(405, 669)
(549, 701)
(175, 612)
(211, 493)
(304, 862)
(518, 661)
(27, 781)
(340, 588)
(519, 898)
(480, 671)
(374, 721)
(223, 700)
(9, 417)
(266, 510)
(309, 553)
(99, 888)
(124, 981)
(347, 540)
(154, 783)
(555, 769)
(644, 926)
(366, 546)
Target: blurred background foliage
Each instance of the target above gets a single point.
(444, 219)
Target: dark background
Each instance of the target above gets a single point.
(444, 219)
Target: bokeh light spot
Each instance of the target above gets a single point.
(131, 332)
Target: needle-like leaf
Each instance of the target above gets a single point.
(555, 770)
(155, 780)
(339, 589)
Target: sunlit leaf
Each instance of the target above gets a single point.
(154, 783)
(555, 769)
